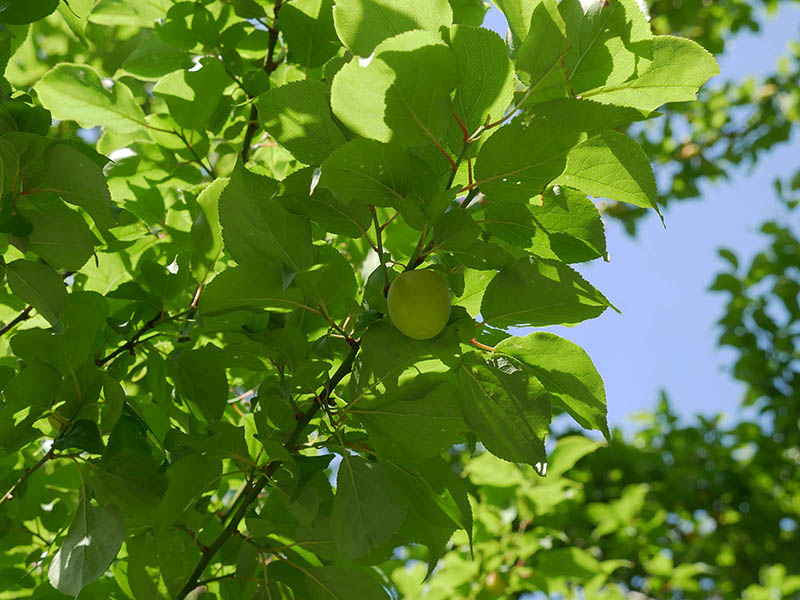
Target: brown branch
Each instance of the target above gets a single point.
(9, 495)
(269, 66)
(22, 316)
(255, 488)
(131, 343)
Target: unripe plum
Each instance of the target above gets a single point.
(419, 304)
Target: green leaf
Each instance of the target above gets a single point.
(206, 230)
(612, 165)
(9, 166)
(201, 380)
(122, 12)
(298, 116)
(518, 161)
(20, 12)
(177, 555)
(538, 292)
(605, 39)
(506, 406)
(79, 181)
(330, 281)
(59, 236)
(375, 173)
(153, 59)
(77, 93)
(256, 227)
(188, 477)
(39, 286)
(427, 406)
(35, 387)
(92, 542)
(569, 451)
(363, 24)
(129, 472)
(402, 94)
(486, 87)
(249, 288)
(342, 583)
(192, 95)
(307, 26)
(518, 14)
(566, 372)
(540, 54)
(83, 435)
(368, 507)
(469, 12)
(321, 206)
(435, 492)
(566, 226)
(678, 69)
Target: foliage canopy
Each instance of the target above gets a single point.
(204, 204)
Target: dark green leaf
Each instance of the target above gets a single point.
(507, 406)
(201, 380)
(298, 116)
(40, 286)
(92, 542)
(538, 293)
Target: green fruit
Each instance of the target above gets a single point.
(496, 583)
(419, 304)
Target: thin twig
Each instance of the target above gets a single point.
(131, 343)
(255, 488)
(379, 238)
(9, 495)
(22, 316)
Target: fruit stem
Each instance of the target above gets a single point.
(379, 236)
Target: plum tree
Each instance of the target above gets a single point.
(419, 304)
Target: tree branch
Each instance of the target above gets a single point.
(9, 495)
(255, 488)
(131, 343)
(269, 66)
(22, 316)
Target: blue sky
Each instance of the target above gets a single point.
(665, 337)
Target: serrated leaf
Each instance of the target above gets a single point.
(307, 26)
(363, 24)
(538, 292)
(206, 230)
(678, 69)
(540, 54)
(298, 116)
(83, 435)
(506, 406)
(188, 477)
(59, 236)
(612, 165)
(201, 379)
(375, 173)
(368, 507)
(321, 206)
(192, 95)
(249, 288)
(93, 540)
(40, 286)
(342, 583)
(402, 94)
(77, 93)
(255, 226)
(427, 406)
(153, 59)
(566, 226)
(566, 372)
(486, 87)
